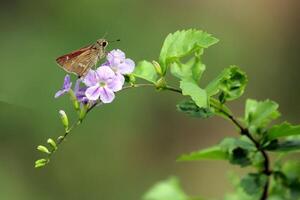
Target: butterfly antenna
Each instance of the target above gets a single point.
(105, 34)
(118, 40)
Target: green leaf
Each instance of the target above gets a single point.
(211, 153)
(291, 169)
(231, 83)
(283, 130)
(239, 150)
(253, 183)
(191, 88)
(283, 146)
(43, 149)
(166, 190)
(189, 107)
(259, 113)
(183, 43)
(230, 143)
(193, 69)
(236, 150)
(145, 70)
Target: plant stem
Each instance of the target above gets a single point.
(243, 131)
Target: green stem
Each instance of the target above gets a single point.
(225, 112)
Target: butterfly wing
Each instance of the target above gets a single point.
(79, 61)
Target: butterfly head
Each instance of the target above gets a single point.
(102, 43)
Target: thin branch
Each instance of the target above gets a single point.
(243, 131)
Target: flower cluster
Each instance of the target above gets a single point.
(103, 82)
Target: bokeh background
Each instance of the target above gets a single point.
(124, 148)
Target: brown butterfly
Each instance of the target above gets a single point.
(80, 61)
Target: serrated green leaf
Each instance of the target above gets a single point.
(189, 107)
(183, 43)
(191, 88)
(166, 190)
(253, 183)
(231, 83)
(43, 149)
(193, 69)
(259, 113)
(145, 70)
(283, 130)
(211, 153)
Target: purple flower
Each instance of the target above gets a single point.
(80, 92)
(119, 63)
(102, 83)
(66, 87)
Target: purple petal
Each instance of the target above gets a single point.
(67, 82)
(106, 95)
(105, 73)
(77, 85)
(126, 67)
(116, 84)
(93, 93)
(91, 78)
(115, 54)
(59, 93)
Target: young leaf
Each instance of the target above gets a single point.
(193, 69)
(191, 88)
(166, 190)
(189, 107)
(259, 113)
(43, 149)
(283, 130)
(231, 83)
(211, 153)
(183, 43)
(253, 183)
(145, 70)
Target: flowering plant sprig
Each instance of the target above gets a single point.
(181, 55)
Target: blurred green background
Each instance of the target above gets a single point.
(125, 147)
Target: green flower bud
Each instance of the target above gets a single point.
(52, 143)
(41, 163)
(161, 83)
(157, 68)
(43, 149)
(64, 119)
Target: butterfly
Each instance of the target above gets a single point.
(80, 61)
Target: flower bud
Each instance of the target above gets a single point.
(52, 143)
(157, 68)
(41, 162)
(43, 149)
(83, 112)
(161, 83)
(64, 119)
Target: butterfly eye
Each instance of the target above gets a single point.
(104, 44)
